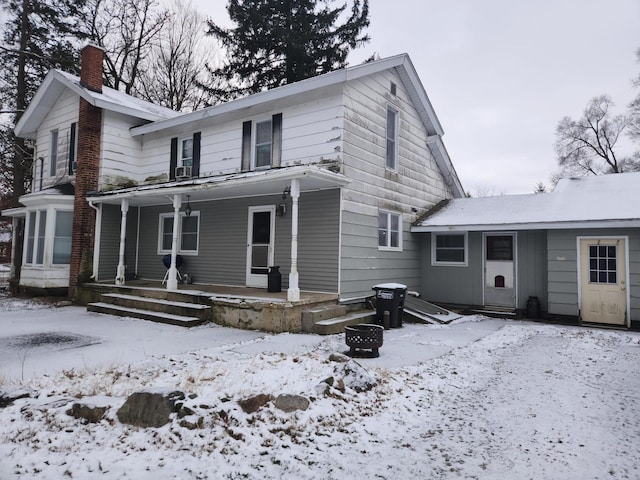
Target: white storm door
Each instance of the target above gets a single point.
(603, 275)
(260, 244)
(499, 270)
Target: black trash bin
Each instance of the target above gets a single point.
(274, 280)
(390, 298)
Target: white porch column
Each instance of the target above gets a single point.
(172, 278)
(293, 294)
(120, 273)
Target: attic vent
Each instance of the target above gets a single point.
(393, 89)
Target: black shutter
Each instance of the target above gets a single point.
(245, 165)
(195, 168)
(173, 162)
(276, 140)
(72, 147)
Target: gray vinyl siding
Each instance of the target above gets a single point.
(461, 285)
(364, 265)
(110, 242)
(222, 251)
(532, 267)
(563, 268)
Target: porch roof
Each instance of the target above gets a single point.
(607, 201)
(237, 185)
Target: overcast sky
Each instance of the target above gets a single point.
(502, 73)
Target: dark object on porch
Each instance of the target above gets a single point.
(274, 279)
(166, 261)
(533, 307)
(390, 298)
(364, 336)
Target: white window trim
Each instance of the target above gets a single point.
(434, 262)
(395, 139)
(254, 143)
(180, 159)
(162, 251)
(400, 229)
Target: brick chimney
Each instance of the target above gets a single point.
(91, 58)
(88, 170)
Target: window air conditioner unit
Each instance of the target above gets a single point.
(183, 172)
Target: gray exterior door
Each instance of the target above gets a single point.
(260, 244)
(500, 269)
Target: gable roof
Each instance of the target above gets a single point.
(401, 64)
(591, 202)
(57, 81)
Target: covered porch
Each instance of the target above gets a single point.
(243, 224)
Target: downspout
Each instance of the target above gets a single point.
(96, 239)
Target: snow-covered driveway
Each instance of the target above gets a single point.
(482, 398)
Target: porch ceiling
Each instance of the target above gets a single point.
(249, 184)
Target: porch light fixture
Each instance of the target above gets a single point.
(286, 192)
(281, 210)
(188, 209)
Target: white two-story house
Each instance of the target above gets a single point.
(322, 178)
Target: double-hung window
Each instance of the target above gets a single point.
(36, 228)
(53, 154)
(62, 237)
(186, 152)
(389, 231)
(262, 143)
(392, 138)
(188, 233)
(449, 249)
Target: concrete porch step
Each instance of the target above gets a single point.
(322, 312)
(160, 317)
(336, 325)
(186, 309)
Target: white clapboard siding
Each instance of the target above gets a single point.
(120, 161)
(416, 184)
(60, 117)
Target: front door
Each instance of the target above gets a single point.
(260, 241)
(603, 275)
(499, 270)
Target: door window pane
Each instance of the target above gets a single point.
(603, 264)
(261, 227)
(500, 248)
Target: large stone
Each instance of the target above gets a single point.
(8, 395)
(253, 404)
(291, 403)
(150, 409)
(89, 413)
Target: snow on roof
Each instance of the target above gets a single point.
(606, 200)
(113, 100)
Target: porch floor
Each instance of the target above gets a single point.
(228, 291)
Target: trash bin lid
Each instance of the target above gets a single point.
(391, 286)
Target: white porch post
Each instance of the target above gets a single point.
(120, 273)
(293, 294)
(172, 278)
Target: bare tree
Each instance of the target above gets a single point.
(126, 30)
(175, 64)
(589, 144)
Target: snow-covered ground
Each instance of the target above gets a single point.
(480, 398)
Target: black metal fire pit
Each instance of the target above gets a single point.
(364, 336)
